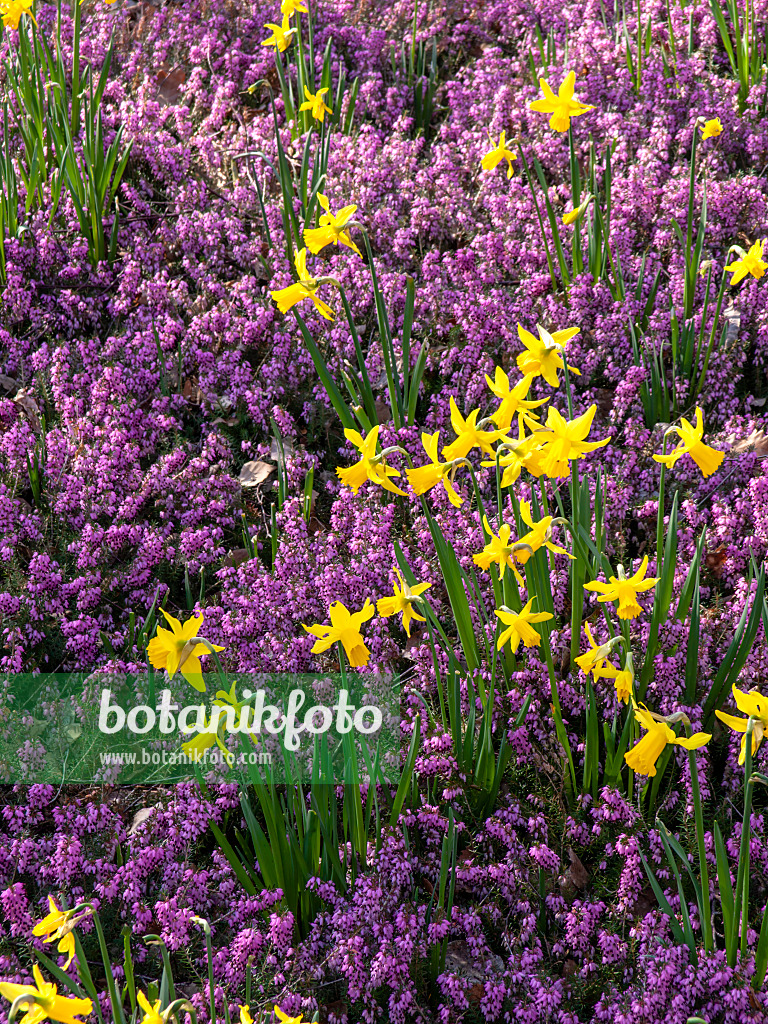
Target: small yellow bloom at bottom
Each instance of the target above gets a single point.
(245, 1014)
(48, 1004)
(285, 1019)
(152, 1014)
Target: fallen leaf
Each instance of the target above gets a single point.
(169, 83)
(715, 560)
(28, 406)
(139, 817)
(8, 383)
(237, 557)
(577, 873)
(254, 473)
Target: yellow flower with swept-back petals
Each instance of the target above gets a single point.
(332, 230)
(304, 288)
(289, 7)
(624, 590)
(281, 35)
(643, 756)
(562, 107)
(152, 1011)
(285, 1019)
(58, 924)
(12, 10)
(48, 1004)
(753, 705)
(595, 661)
(499, 152)
(707, 459)
(561, 441)
(370, 465)
(498, 551)
(172, 650)
(538, 536)
(711, 129)
(344, 629)
(513, 400)
(525, 454)
(468, 434)
(316, 104)
(424, 478)
(520, 626)
(751, 262)
(403, 601)
(543, 356)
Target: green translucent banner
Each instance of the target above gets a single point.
(111, 728)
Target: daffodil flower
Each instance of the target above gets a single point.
(152, 1011)
(751, 262)
(707, 459)
(643, 756)
(59, 924)
(424, 478)
(281, 35)
(316, 104)
(595, 660)
(499, 551)
(561, 441)
(711, 129)
(403, 600)
(194, 748)
(468, 435)
(304, 288)
(498, 153)
(539, 535)
(578, 212)
(624, 590)
(520, 626)
(344, 629)
(332, 230)
(12, 10)
(370, 465)
(753, 705)
(512, 400)
(518, 454)
(543, 356)
(289, 7)
(245, 1014)
(562, 107)
(285, 1019)
(172, 650)
(48, 1004)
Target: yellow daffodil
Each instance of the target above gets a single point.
(285, 1019)
(289, 7)
(751, 262)
(424, 478)
(152, 1012)
(543, 356)
(332, 230)
(499, 551)
(513, 400)
(245, 1015)
(578, 212)
(370, 466)
(498, 153)
(47, 1005)
(58, 924)
(562, 107)
(12, 10)
(537, 537)
(595, 660)
(711, 129)
(643, 756)
(281, 35)
(304, 288)
(624, 590)
(316, 104)
(525, 454)
(172, 650)
(623, 682)
(344, 629)
(561, 441)
(468, 435)
(753, 705)
(707, 459)
(519, 627)
(403, 600)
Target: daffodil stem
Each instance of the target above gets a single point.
(209, 956)
(741, 904)
(436, 664)
(706, 911)
(116, 1003)
(712, 335)
(660, 510)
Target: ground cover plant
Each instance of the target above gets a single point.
(419, 338)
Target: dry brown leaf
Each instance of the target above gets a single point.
(139, 817)
(28, 406)
(254, 473)
(169, 82)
